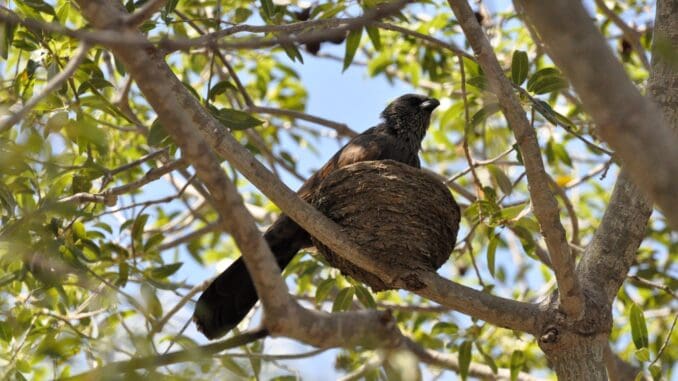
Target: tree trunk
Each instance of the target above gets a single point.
(576, 357)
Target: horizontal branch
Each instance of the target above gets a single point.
(506, 313)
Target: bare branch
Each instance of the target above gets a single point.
(543, 201)
(648, 283)
(341, 128)
(209, 228)
(50, 86)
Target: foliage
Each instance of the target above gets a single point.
(84, 281)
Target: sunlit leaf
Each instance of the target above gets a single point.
(352, 42)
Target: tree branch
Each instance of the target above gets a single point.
(543, 200)
(629, 122)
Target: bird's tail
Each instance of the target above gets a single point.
(232, 295)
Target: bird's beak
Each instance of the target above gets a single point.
(429, 104)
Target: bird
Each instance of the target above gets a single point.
(228, 299)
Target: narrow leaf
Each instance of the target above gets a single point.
(519, 66)
(236, 119)
(517, 362)
(446, 328)
(491, 251)
(343, 300)
(166, 270)
(365, 297)
(138, 227)
(501, 179)
(375, 37)
(464, 358)
(638, 327)
(352, 42)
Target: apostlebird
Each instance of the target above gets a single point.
(398, 137)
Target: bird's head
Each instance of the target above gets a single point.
(410, 114)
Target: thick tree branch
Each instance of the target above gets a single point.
(629, 122)
(543, 200)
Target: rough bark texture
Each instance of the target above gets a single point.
(577, 358)
(663, 84)
(398, 214)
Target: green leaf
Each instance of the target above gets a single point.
(138, 227)
(236, 119)
(655, 371)
(293, 52)
(157, 135)
(233, 366)
(488, 359)
(343, 300)
(6, 36)
(517, 363)
(375, 37)
(545, 81)
(465, 358)
(5, 331)
(501, 179)
(642, 354)
(546, 111)
(479, 82)
(79, 230)
(352, 42)
(220, 88)
(241, 15)
(484, 113)
(638, 327)
(40, 6)
(561, 153)
(365, 297)
(444, 328)
(154, 241)
(519, 67)
(267, 8)
(324, 289)
(152, 302)
(491, 251)
(165, 271)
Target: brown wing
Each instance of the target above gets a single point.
(364, 147)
